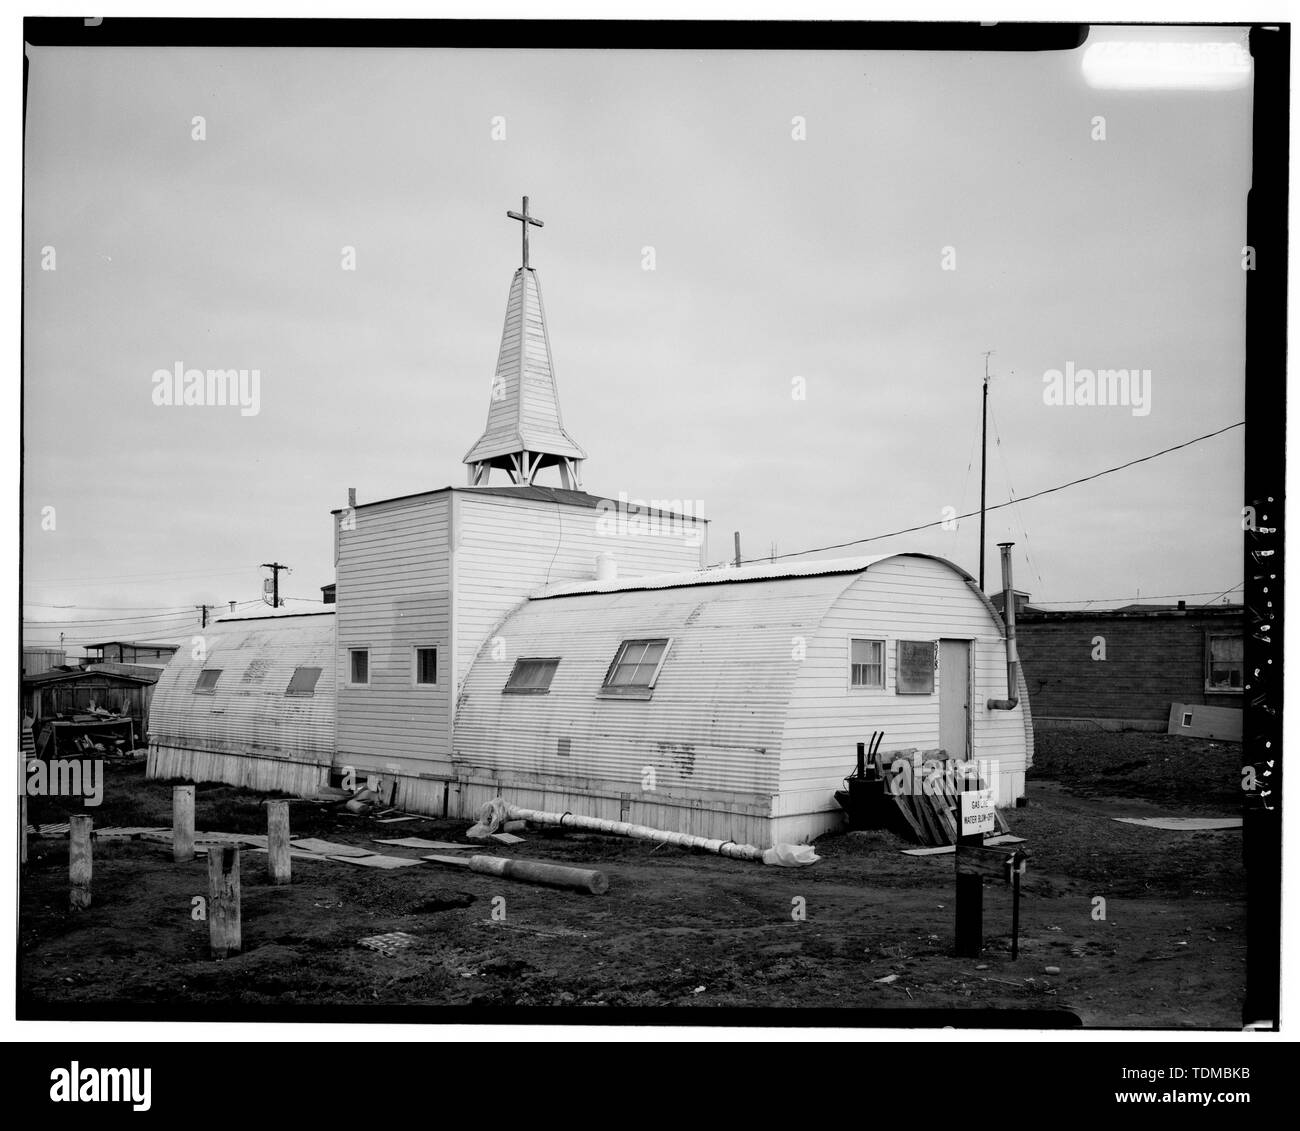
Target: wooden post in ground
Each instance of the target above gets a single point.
(80, 863)
(224, 932)
(278, 865)
(182, 823)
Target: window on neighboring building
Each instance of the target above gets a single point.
(207, 683)
(426, 666)
(866, 663)
(303, 681)
(635, 668)
(359, 666)
(1224, 663)
(531, 676)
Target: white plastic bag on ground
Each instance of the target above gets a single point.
(491, 816)
(790, 855)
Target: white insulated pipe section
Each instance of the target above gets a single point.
(638, 832)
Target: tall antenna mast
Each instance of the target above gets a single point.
(984, 460)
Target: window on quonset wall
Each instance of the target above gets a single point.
(303, 681)
(531, 676)
(867, 663)
(635, 669)
(207, 682)
(1224, 662)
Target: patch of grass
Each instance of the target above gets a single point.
(1194, 773)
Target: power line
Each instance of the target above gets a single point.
(1156, 597)
(112, 608)
(1223, 594)
(999, 506)
(180, 618)
(109, 620)
(47, 581)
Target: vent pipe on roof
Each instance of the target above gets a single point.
(232, 608)
(606, 567)
(1009, 617)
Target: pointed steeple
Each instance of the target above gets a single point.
(524, 432)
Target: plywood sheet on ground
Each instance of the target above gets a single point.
(328, 848)
(420, 842)
(1183, 824)
(377, 861)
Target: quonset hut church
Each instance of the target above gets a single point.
(571, 652)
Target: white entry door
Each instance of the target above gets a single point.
(954, 697)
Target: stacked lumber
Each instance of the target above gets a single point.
(924, 788)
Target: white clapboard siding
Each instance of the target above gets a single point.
(248, 731)
(507, 548)
(524, 413)
(904, 597)
(393, 595)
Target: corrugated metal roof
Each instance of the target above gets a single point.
(761, 571)
(714, 721)
(275, 614)
(249, 710)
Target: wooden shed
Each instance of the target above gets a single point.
(253, 706)
(67, 693)
(728, 702)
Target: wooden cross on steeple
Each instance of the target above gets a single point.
(524, 220)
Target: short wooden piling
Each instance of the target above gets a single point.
(183, 823)
(80, 863)
(224, 931)
(278, 866)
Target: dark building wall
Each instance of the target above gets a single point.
(1151, 661)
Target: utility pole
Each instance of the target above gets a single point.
(204, 609)
(275, 568)
(984, 459)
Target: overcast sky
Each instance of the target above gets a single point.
(774, 258)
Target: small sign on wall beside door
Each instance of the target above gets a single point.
(916, 663)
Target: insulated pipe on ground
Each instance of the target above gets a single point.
(555, 875)
(638, 832)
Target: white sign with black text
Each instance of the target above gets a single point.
(976, 811)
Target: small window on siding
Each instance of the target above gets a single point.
(867, 663)
(426, 666)
(531, 676)
(303, 681)
(207, 684)
(1224, 663)
(359, 666)
(635, 668)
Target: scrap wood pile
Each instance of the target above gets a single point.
(922, 788)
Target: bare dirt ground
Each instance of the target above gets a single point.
(676, 928)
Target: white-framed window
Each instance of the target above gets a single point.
(359, 667)
(424, 665)
(635, 669)
(207, 681)
(1225, 663)
(866, 664)
(531, 675)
